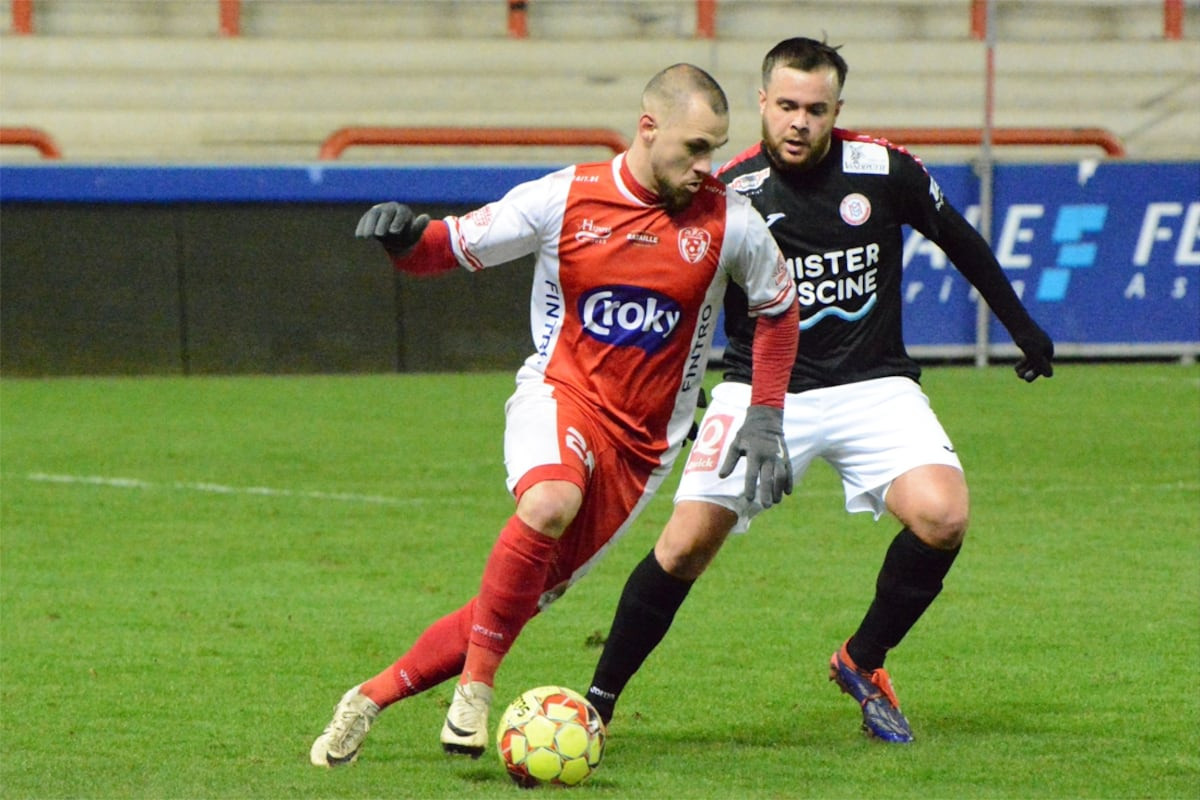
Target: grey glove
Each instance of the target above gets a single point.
(760, 440)
(394, 225)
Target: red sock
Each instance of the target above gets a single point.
(436, 656)
(513, 580)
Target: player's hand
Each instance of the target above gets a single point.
(768, 467)
(1038, 350)
(394, 225)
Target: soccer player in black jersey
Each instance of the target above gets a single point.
(835, 202)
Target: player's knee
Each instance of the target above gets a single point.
(683, 560)
(692, 538)
(942, 528)
(550, 506)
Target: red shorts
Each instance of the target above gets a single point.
(548, 436)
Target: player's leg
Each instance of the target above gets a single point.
(436, 656)
(512, 582)
(548, 459)
(909, 468)
(931, 502)
(654, 591)
(707, 508)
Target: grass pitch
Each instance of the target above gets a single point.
(193, 570)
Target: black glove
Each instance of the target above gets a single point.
(1038, 350)
(394, 225)
(761, 441)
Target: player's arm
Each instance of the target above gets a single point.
(931, 214)
(771, 296)
(497, 233)
(413, 244)
(975, 260)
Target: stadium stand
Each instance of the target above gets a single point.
(120, 81)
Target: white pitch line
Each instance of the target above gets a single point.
(218, 488)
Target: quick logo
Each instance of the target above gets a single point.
(629, 316)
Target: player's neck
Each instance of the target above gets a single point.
(638, 176)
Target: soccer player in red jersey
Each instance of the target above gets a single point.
(836, 202)
(633, 257)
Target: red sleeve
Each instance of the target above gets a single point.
(432, 255)
(775, 342)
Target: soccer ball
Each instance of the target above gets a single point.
(550, 735)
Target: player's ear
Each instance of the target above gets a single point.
(647, 127)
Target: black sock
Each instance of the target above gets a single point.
(911, 577)
(644, 614)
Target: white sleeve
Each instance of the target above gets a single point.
(754, 261)
(513, 226)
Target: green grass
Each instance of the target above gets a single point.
(194, 569)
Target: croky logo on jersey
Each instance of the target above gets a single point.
(629, 316)
(693, 244)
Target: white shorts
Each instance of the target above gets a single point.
(870, 432)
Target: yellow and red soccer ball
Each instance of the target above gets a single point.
(550, 735)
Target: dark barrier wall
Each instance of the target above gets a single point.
(202, 270)
(236, 289)
(242, 288)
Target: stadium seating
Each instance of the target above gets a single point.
(154, 82)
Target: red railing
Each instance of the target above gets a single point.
(1172, 19)
(339, 140)
(31, 137)
(229, 18)
(1106, 140)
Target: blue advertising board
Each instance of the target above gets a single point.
(1101, 253)
(1105, 254)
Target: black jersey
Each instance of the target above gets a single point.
(839, 227)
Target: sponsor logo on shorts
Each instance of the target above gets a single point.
(710, 441)
(629, 316)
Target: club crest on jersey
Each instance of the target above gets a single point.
(693, 244)
(629, 316)
(855, 209)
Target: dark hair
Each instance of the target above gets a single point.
(805, 55)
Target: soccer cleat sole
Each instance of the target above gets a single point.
(462, 750)
(458, 748)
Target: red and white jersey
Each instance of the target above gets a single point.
(626, 295)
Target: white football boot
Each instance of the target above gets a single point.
(338, 744)
(466, 728)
